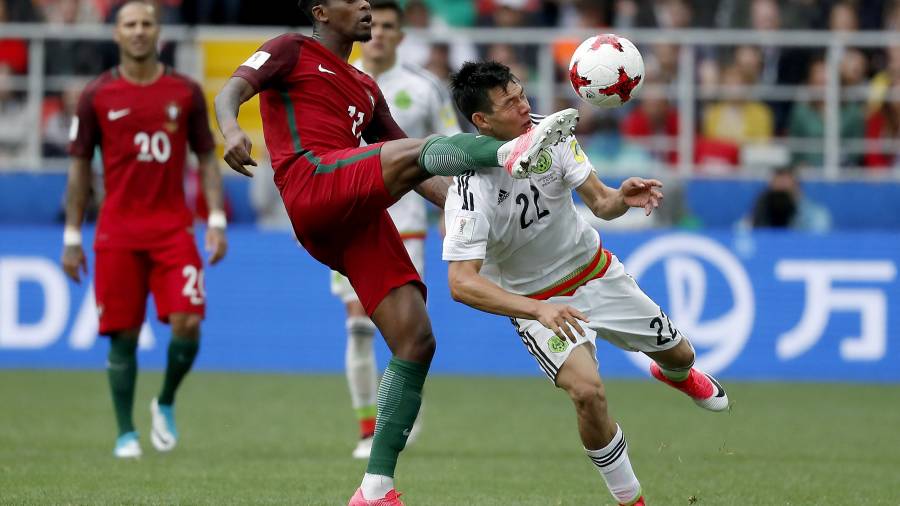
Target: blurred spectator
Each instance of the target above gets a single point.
(453, 12)
(669, 14)
(13, 52)
(883, 133)
(737, 118)
(22, 11)
(661, 63)
(66, 56)
(14, 120)
(807, 121)
(843, 17)
(881, 82)
(507, 55)
(749, 62)
(56, 127)
(654, 125)
(783, 205)
(169, 10)
(440, 58)
(854, 68)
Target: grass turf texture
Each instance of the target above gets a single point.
(279, 439)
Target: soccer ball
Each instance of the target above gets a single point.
(606, 70)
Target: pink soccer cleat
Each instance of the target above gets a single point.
(522, 154)
(703, 388)
(391, 499)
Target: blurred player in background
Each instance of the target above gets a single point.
(421, 106)
(315, 109)
(143, 115)
(519, 248)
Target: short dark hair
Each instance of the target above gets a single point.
(388, 5)
(470, 86)
(307, 6)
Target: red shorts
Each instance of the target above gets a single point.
(338, 207)
(173, 272)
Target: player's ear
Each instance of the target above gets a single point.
(319, 14)
(479, 120)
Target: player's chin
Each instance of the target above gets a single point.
(363, 35)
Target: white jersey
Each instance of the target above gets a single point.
(527, 231)
(421, 106)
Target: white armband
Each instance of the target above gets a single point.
(217, 219)
(71, 236)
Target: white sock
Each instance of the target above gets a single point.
(360, 362)
(376, 486)
(613, 463)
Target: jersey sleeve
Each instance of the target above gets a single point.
(382, 128)
(271, 62)
(199, 135)
(467, 221)
(84, 133)
(573, 163)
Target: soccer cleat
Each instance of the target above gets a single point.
(363, 448)
(127, 446)
(164, 434)
(392, 498)
(703, 388)
(638, 502)
(521, 154)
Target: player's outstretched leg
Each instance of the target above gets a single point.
(121, 370)
(362, 378)
(404, 323)
(451, 156)
(183, 348)
(675, 367)
(603, 439)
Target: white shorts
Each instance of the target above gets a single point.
(619, 312)
(340, 285)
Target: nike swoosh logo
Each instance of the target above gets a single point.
(405, 432)
(114, 115)
(323, 69)
(721, 391)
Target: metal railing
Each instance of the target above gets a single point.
(544, 87)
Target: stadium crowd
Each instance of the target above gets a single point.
(733, 111)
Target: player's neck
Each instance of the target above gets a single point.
(377, 67)
(335, 43)
(141, 72)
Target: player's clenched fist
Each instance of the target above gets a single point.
(73, 261)
(561, 319)
(237, 151)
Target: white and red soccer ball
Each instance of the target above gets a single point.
(606, 70)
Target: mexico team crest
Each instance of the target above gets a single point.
(544, 162)
(557, 344)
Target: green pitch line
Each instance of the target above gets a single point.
(266, 439)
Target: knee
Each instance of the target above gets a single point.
(185, 325)
(587, 394)
(423, 345)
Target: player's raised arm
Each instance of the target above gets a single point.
(237, 144)
(78, 191)
(609, 204)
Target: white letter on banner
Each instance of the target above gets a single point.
(14, 271)
(822, 298)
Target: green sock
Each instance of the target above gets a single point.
(451, 156)
(182, 353)
(399, 398)
(121, 369)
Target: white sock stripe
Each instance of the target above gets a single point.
(360, 325)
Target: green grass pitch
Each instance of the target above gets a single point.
(286, 439)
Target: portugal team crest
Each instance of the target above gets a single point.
(172, 114)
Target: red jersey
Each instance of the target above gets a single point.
(143, 132)
(313, 102)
